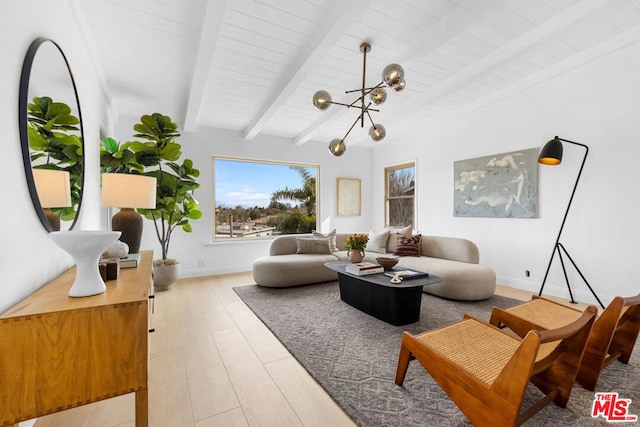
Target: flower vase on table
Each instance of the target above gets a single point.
(355, 255)
(355, 244)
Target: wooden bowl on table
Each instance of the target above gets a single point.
(387, 262)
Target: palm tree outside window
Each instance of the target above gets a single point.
(255, 198)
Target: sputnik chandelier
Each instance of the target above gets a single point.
(392, 76)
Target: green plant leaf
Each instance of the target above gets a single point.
(110, 145)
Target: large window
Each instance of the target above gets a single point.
(400, 195)
(256, 198)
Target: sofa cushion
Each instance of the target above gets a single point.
(408, 245)
(313, 245)
(378, 241)
(332, 238)
(393, 236)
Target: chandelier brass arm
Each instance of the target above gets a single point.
(392, 76)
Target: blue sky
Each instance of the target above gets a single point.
(250, 184)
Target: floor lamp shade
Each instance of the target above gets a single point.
(54, 191)
(128, 192)
(551, 153)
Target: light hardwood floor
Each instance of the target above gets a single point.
(213, 363)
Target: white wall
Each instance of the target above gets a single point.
(197, 254)
(28, 258)
(595, 104)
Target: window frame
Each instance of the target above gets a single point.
(388, 198)
(261, 161)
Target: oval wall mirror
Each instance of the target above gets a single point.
(51, 135)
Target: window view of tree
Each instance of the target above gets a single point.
(258, 199)
(400, 195)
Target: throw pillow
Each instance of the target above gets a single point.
(332, 238)
(393, 239)
(378, 241)
(408, 245)
(313, 246)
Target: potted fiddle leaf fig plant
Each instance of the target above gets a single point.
(158, 155)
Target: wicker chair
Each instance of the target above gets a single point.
(485, 370)
(613, 336)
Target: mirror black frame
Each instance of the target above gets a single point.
(24, 136)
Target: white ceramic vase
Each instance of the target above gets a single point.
(85, 247)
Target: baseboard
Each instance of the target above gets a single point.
(201, 272)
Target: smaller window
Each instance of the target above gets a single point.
(400, 195)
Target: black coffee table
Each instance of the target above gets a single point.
(374, 294)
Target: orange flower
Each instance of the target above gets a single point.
(356, 241)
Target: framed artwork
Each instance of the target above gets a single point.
(499, 186)
(348, 190)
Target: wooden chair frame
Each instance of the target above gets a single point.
(613, 336)
(498, 403)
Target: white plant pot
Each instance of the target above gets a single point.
(164, 276)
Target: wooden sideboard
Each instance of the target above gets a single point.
(58, 352)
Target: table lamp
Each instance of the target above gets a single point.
(54, 191)
(128, 192)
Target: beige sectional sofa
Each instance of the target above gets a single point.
(454, 259)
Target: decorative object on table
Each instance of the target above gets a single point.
(355, 244)
(118, 249)
(128, 192)
(54, 191)
(85, 247)
(406, 274)
(551, 155)
(387, 262)
(363, 268)
(498, 186)
(392, 76)
(157, 157)
(130, 261)
(395, 279)
(348, 193)
(109, 268)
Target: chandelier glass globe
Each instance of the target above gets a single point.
(377, 132)
(392, 75)
(322, 99)
(337, 147)
(378, 96)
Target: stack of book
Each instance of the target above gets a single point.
(130, 261)
(364, 268)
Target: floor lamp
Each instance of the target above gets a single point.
(551, 154)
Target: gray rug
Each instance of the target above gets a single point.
(354, 356)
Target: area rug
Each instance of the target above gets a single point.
(354, 356)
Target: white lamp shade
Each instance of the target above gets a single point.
(124, 190)
(53, 187)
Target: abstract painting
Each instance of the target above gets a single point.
(499, 186)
